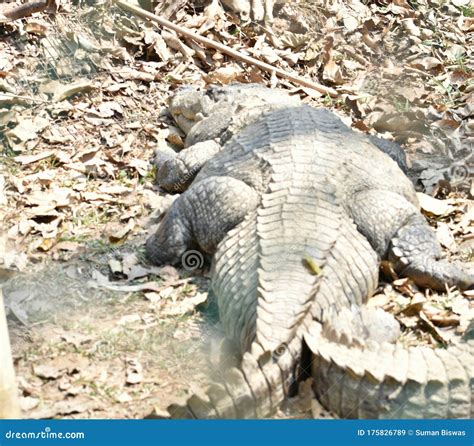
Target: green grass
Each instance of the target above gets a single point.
(73, 238)
(149, 177)
(467, 11)
(47, 164)
(91, 218)
(402, 105)
(461, 63)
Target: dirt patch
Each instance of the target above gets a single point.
(81, 350)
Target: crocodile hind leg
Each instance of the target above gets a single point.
(200, 218)
(397, 231)
(175, 172)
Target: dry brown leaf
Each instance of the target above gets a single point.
(129, 319)
(185, 306)
(379, 300)
(415, 305)
(94, 196)
(76, 339)
(47, 243)
(445, 237)
(114, 189)
(445, 320)
(63, 92)
(118, 231)
(411, 28)
(427, 63)
(225, 75)
(115, 266)
(67, 246)
(28, 403)
(36, 28)
(9, 99)
(3, 197)
(140, 166)
(123, 397)
(153, 297)
(100, 281)
(332, 72)
(173, 42)
(134, 372)
(434, 206)
(466, 224)
(405, 286)
(29, 159)
(46, 372)
(436, 332)
(68, 407)
(27, 129)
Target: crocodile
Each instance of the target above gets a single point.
(297, 211)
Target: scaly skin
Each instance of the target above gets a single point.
(210, 119)
(298, 184)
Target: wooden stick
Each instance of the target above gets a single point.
(26, 9)
(225, 49)
(9, 406)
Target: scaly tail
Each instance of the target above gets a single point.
(254, 390)
(383, 380)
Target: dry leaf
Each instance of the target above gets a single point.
(28, 403)
(415, 305)
(46, 372)
(445, 237)
(187, 305)
(36, 28)
(27, 129)
(427, 63)
(434, 206)
(437, 333)
(63, 92)
(115, 266)
(118, 231)
(129, 319)
(28, 159)
(134, 372)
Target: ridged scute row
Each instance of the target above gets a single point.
(382, 380)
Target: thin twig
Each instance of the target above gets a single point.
(25, 98)
(225, 49)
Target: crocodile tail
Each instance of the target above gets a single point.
(384, 380)
(253, 390)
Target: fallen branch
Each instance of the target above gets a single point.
(9, 407)
(28, 9)
(225, 49)
(25, 10)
